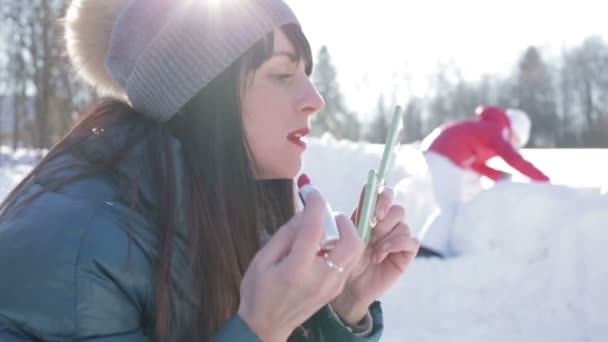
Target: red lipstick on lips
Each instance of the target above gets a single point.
(296, 136)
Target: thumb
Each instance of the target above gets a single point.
(310, 227)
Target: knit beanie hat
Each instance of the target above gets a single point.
(158, 54)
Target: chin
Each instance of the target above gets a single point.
(284, 171)
(289, 173)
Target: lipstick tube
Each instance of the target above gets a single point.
(331, 233)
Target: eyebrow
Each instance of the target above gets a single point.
(287, 54)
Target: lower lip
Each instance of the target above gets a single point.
(298, 142)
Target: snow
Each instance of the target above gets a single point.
(532, 257)
(14, 165)
(531, 268)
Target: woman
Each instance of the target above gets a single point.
(167, 213)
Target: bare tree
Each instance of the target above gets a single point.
(378, 129)
(569, 130)
(38, 70)
(534, 93)
(334, 117)
(412, 121)
(455, 98)
(585, 90)
(16, 77)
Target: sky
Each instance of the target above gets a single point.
(374, 42)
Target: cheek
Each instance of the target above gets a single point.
(260, 123)
(266, 132)
(274, 157)
(262, 140)
(260, 130)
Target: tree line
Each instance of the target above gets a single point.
(567, 98)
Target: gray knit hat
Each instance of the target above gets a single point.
(159, 53)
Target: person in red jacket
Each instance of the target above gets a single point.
(456, 154)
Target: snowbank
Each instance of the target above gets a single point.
(532, 264)
(532, 267)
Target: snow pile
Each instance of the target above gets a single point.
(531, 268)
(532, 257)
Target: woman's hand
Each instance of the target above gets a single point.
(286, 282)
(389, 253)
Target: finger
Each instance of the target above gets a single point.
(407, 245)
(382, 244)
(310, 228)
(400, 243)
(356, 215)
(400, 260)
(384, 203)
(395, 216)
(349, 248)
(397, 243)
(401, 228)
(351, 245)
(280, 244)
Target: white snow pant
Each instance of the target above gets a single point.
(452, 185)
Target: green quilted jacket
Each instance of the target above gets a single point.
(77, 263)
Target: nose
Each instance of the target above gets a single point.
(311, 101)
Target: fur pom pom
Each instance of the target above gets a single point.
(88, 29)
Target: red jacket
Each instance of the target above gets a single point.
(470, 143)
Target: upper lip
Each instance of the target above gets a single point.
(299, 132)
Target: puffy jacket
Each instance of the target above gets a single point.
(77, 263)
(470, 143)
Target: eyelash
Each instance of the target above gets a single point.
(281, 77)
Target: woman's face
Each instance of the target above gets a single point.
(277, 102)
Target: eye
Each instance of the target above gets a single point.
(281, 77)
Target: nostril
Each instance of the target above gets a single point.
(309, 110)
